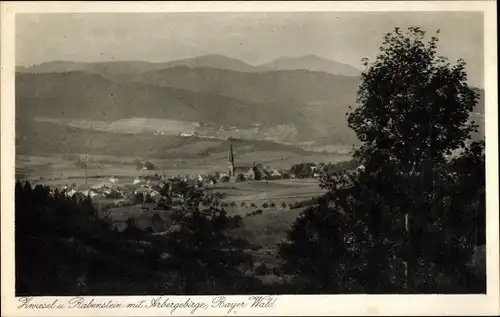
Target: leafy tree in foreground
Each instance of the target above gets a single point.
(208, 259)
(413, 106)
(400, 224)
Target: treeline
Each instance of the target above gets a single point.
(63, 247)
(309, 169)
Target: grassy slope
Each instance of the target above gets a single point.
(47, 138)
(81, 96)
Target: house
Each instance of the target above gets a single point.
(257, 172)
(240, 173)
(113, 179)
(275, 174)
(156, 196)
(94, 194)
(253, 174)
(71, 192)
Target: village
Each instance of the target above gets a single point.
(148, 200)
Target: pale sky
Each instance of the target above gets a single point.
(252, 37)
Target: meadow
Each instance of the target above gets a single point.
(63, 169)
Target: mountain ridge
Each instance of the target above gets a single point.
(314, 103)
(217, 61)
(312, 62)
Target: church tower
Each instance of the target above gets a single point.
(230, 161)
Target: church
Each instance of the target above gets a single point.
(239, 173)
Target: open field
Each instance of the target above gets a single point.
(265, 229)
(275, 191)
(64, 168)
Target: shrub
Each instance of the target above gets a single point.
(262, 269)
(283, 205)
(149, 166)
(272, 205)
(277, 271)
(265, 205)
(243, 204)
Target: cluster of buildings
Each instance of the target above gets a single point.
(155, 187)
(160, 193)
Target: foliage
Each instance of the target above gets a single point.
(63, 247)
(302, 170)
(413, 105)
(149, 166)
(340, 167)
(138, 198)
(402, 223)
(262, 269)
(207, 259)
(148, 199)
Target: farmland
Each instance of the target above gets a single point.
(265, 229)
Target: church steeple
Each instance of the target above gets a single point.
(230, 160)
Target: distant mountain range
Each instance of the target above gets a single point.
(309, 95)
(307, 62)
(312, 63)
(209, 95)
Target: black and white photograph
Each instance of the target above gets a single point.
(247, 153)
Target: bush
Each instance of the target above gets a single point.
(253, 205)
(243, 204)
(283, 205)
(149, 166)
(262, 269)
(265, 205)
(272, 205)
(277, 271)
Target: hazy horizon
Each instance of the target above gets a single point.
(172, 60)
(253, 37)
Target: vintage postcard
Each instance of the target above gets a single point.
(249, 158)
